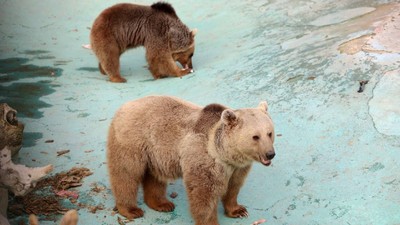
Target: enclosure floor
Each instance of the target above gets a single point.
(338, 150)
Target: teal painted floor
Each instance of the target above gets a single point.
(338, 151)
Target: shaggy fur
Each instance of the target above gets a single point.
(158, 138)
(157, 28)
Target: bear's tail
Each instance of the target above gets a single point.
(164, 7)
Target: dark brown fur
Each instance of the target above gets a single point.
(164, 7)
(156, 27)
(209, 116)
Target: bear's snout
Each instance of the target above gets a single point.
(266, 158)
(270, 155)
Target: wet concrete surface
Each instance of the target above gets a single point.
(337, 151)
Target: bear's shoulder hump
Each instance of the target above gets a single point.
(164, 7)
(209, 115)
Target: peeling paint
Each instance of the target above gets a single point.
(341, 16)
(384, 108)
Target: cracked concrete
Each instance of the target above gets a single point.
(384, 106)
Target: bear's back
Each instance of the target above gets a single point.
(124, 14)
(132, 25)
(165, 8)
(163, 117)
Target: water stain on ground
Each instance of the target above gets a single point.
(35, 52)
(70, 99)
(39, 54)
(89, 69)
(147, 80)
(301, 180)
(46, 57)
(339, 212)
(13, 69)
(61, 62)
(375, 167)
(295, 78)
(83, 115)
(25, 96)
(30, 138)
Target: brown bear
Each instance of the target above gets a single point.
(157, 138)
(156, 27)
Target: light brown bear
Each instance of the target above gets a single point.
(156, 27)
(157, 138)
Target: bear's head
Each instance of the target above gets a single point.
(246, 135)
(182, 47)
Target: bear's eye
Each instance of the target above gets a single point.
(256, 137)
(270, 134)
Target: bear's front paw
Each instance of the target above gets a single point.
(130, 212)
(117, 79)
(164, 207)
(237, 212)
(185, 71)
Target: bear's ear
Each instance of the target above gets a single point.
(263, 105)
(194, 32)
(228, 117)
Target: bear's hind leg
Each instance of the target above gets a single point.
(155, 194)
(125, 186)
(102, 70)
(109, 63)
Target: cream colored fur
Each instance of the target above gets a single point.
(70, 218)
(157, 138)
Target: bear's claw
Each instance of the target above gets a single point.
(116, 79)
(239, 212)
(165, 207)
(131, 212)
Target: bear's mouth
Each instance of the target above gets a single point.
(265, 161)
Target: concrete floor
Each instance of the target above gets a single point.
(338, 153)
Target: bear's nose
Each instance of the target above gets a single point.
(270, 155)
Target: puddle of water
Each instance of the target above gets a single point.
(13, 69)
(25, 96)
